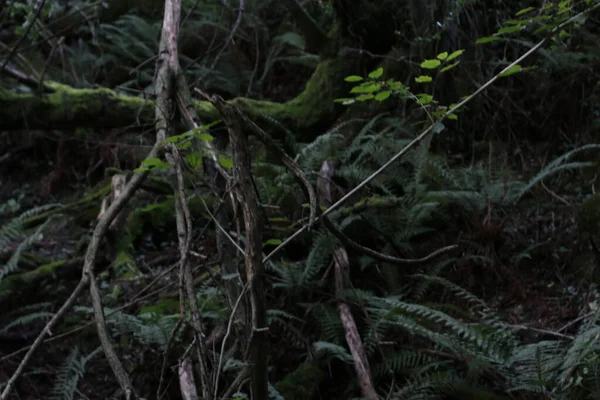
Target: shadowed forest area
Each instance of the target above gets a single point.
(299, 199)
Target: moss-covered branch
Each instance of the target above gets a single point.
(68, 108)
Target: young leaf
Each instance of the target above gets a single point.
(430, 64)
(353, 78)
(524, 11)
(376, 74)
(509, 29)
(423, 79)
(272, 242)
(381, 96)
(152, 162)
(364, 97)
(442, 56)
(425, 98)
(366, 88)
(510, 71)
(205, 137)
(447, 67)
(226, 162)
(454, 54)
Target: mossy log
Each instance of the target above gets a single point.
(69, 108)
(14, 286)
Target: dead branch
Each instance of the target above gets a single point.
(342, 279)
(247, 199)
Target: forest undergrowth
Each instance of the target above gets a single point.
(472, 261)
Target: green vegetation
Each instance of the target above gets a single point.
(467, 268)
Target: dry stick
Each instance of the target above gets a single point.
(167, 82)
(427, 131)
(357, 349)
(342, 278)
(186, 380)
(184, 230)
(89, 261)
(109, 351)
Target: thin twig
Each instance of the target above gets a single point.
(227, 333)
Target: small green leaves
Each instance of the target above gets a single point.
(512, 70)
(441, 59)
(376, 74)
(353, 78)
(182, 141)
(430, 64)
(423, 79)
(371, 88)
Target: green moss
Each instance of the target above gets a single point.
(67, 107)
(12, 284)
(302, 383)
